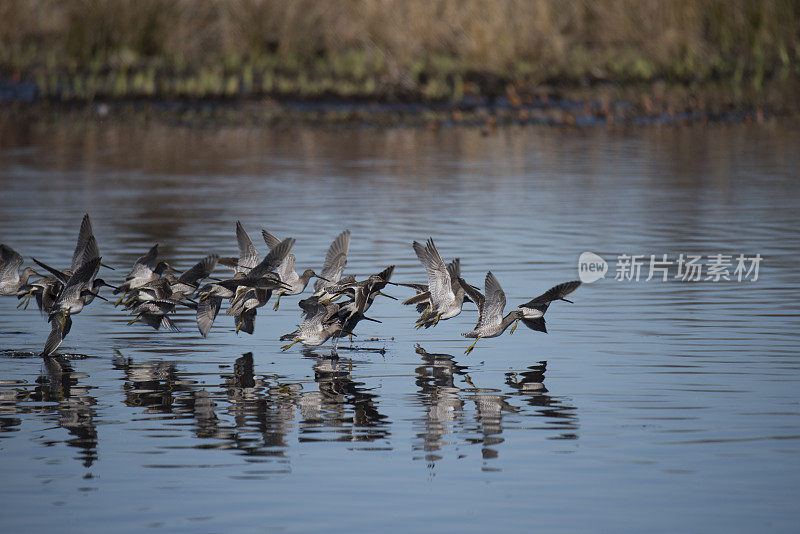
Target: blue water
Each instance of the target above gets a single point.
(649, 406)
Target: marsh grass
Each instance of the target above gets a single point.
(413, 49)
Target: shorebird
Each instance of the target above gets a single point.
(295, 283)
(212, 294)
(47, 288)
(154, 313)
(444, 297)
(187, 283)
(11, 281)
(78, 291)
(321, 323)
(144, 271)
(533, 311)
(335, 262)
(250, 274)
(491, 322)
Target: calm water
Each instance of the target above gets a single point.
(650, 405)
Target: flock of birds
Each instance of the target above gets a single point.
(153, 290)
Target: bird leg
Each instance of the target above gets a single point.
(120, 299)
(514, 327)
(469, 349)
(277, 301)
(135, 319)
(287, 347)
(26, 300)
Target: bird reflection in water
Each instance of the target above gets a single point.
(447, 393)
(341, 405)
(529, 384)
(443, 405)
(57, 391)
(262, 409)
(248, 413)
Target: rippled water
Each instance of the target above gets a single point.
(650, 405)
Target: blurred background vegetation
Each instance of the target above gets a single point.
(395, 49)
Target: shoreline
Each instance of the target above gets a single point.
(584, 110)
(594, 105)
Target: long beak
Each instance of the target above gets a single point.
(387, 296)
(567, 300)
(371, 319)
(101, 297)
(107, 266)
(109, 285)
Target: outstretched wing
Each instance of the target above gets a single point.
(248, 255)
(10, 262)
(335, 261)
(200, 270)
(144, 265)
(60, 275)
(58, 331)
(554, 293)
(537, 324)
(86, 247)
(439, 282)
(207, 311)
(270, 239)
(475, 295)
(273, 259)
(492, 311)
(286, 268)
(79, 280)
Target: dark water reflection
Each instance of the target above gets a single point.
(653, 394)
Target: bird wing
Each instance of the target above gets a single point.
(207, 311)
(316, 313)
(60, 275)
(90, 251)
(270, 239)
(199, 270)
(554, 293)
(273, 259)
(335, 261)
(386, 274)
(454, 268)
(248, 255)
(144, 265)
(475, 295)
(58, 332)
(418, 298)
(10, 261)
(286, 268)
(82, 251)
(537, 324)
(439, 283)
(492, 311)
(419, 288)
(79, 280)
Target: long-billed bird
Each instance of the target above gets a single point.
(491, 322)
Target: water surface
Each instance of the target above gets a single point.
(650, 405)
